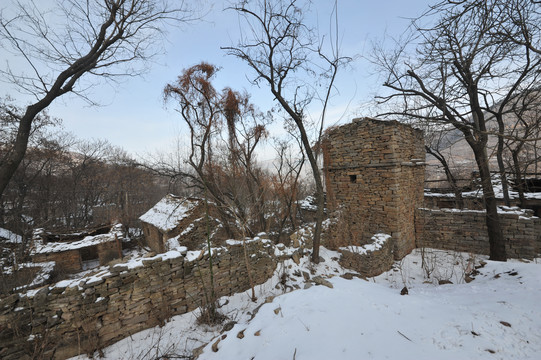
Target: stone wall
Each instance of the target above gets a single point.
(376, 169)
(109, 250)
(370, 260)
(74, 317)
(153, 238)
(66, 261)
(465, 230)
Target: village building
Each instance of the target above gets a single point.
(10, 240)
(78, 251)
(168, 220)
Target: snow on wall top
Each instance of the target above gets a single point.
(167, 213)
(10, 237)
(378, 240)
(54, 247)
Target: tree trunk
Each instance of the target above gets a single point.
(14, 157)
(501, 164)
(519, 181)
(495, 235)
(320, 200)
(459, 201)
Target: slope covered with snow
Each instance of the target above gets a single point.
(495, 316)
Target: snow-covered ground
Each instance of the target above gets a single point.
(495, 316)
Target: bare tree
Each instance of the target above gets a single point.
(100, 38)
(280, 48)
(464, 74)
(285, 184)
(224, 169)
(435, 143)
(523, 136)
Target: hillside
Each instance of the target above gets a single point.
(495, 316)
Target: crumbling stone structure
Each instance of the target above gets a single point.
(376, 169)
(369, 260)
(79, 251)
(84, 315)
(169, 218)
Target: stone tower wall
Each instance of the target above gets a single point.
(374, 170)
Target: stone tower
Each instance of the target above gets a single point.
(376, 169)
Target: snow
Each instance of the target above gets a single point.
(478, 193)
(514, 210)
(166, 214)
(496, 316)
(378, 240)
(53, 247)
(79, 282)
(139, 262)
(172, 243)
(10, 237)
(309, 203)
(232, 242)
(46, 268)
(193, 255)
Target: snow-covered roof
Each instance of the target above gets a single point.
(10, 237)
(54, 247)
(167, 213)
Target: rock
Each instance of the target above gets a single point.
(306, 276)
(215, 345)
(481, 264)
(505, 323)
(40, 298)
(444, 282)
(320, 281)
(257, 333)
(240, 335)
(9, 301)
(347, 276)
(198, 351)
(468, 279)
(228, 326)
(296, 258)
(277, 310)
(404, 291)
(269, 299)
(307, 286)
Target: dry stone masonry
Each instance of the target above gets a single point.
(465, 230)
(369, 260)
(75, 317)
(374, 172)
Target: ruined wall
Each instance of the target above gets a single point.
(74, 317)
(153, 238)
(466, 231)
(371, 260)
(108, 251)
(376, 169)
(66, 261)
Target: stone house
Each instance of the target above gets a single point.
(78, 251)
(170, 218)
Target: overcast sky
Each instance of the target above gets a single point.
(133, 114)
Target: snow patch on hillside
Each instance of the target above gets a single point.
(495, 316)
